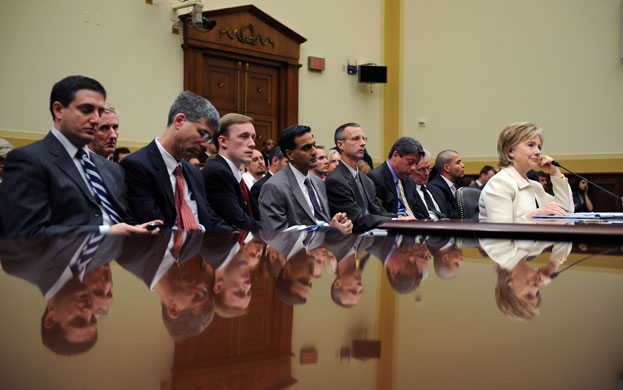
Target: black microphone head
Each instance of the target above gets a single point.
(555, 163)
(554, 275)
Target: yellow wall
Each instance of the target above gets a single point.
(472, 67)
(128, 46)
(469, 68)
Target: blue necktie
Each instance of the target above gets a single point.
(97, 185)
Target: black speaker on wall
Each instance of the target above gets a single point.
(372, 74)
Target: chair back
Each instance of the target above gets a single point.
(468, 199)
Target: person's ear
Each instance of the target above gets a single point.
(337, 284)
(57, 108)
(48, 319)
(509, 284)
(172, 309)
(178, 120)
(218, 286)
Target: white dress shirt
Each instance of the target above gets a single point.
(420, 192)
(72, 150)
(171, 163)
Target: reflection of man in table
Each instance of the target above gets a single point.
(447, 256)
(171, 266)
(65, 270)
(290, 257)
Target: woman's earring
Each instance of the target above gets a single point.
(511, 156)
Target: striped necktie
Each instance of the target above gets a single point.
(403, 198)
(93, 242)
(97, 185)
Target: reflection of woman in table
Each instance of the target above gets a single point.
(517, 289)
(510, 196)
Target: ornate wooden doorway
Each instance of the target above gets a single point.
(247, 64)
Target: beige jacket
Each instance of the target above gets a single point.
(508, 197)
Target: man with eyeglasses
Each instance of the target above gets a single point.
(430, 196)
(160, 183)
(393, 186)
(349, 190)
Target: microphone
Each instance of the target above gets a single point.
(556, 163)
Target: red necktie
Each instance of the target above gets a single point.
(245, 197)
(185, 217)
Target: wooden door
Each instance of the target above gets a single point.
(234, 85)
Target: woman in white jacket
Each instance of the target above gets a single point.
(510, 196)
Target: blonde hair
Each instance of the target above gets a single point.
(508, 303)
(511, 136)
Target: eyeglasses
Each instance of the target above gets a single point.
(205, 135)
(356, 139)
(424, 170)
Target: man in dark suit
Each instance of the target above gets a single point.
(56, 186)
(161, 185)
(394, 187)
(276, 163)
(431, 197)
(105, 140)
(486, 173)
(350, 191)
(450, 168)
(224, 185)
(293, 196)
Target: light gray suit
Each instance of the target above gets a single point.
(282, 203)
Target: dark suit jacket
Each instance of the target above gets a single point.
(345, 197)
(386, 192)
(43, 193)
(150, 193)
(257, 187)
(42, 260)
(223, 192)
(450, 206)
(476, 185)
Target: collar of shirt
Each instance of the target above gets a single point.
(479, 183)
(392, 172)
(234, 169)
(448, 182)
(67, 145)
(298, 175)
(169, 161)
(352, 171)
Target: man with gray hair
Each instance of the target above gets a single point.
(450, 168)
(431, 197)
(161, 183)
(394, 188)
(105, 140)
(5, 148)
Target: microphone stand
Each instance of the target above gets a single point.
(556, 163)
(555, 274)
